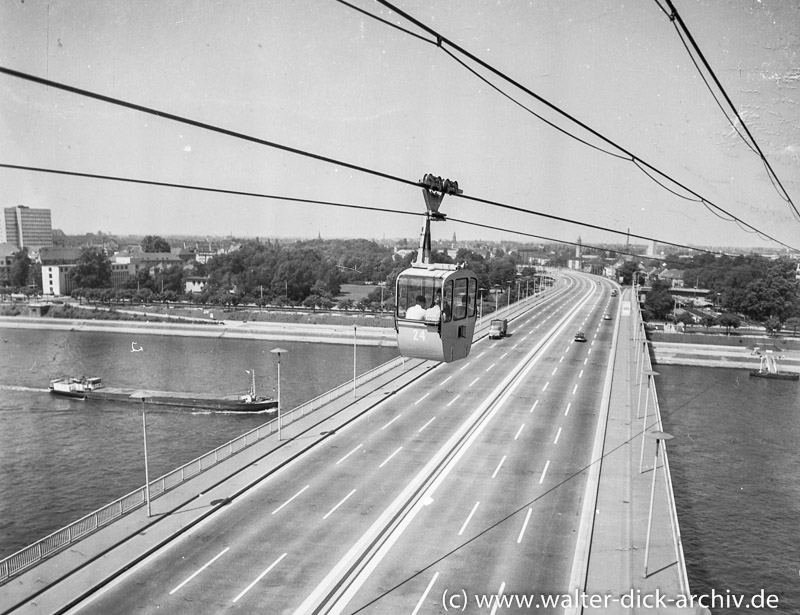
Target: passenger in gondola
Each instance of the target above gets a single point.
(417, 311)
(437, 312)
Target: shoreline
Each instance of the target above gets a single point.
(715, 355)
(234, 329)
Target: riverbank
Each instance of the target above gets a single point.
(721, 351)
(363, 335)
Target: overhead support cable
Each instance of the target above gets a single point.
(307, 154)
(682, 29)
(442, 41)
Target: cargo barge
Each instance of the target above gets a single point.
(92, 389)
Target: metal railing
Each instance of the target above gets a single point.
(51, 544)
(640, 342)
(55, 542)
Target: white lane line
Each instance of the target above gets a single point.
(503, 356)
(592, 344)
(561, 360)
(514, 346)
(589, 351)
(425, 594)
(199, 570)
(350, 453)
(330, 512)
(261, 576)
(581, 374)
(586, 360)
(472, 512)
(524, 525)
(445, 380)
(546, 384)
(575, 388)
(499, 465)
(290, 499)
(555, 369)
(385, 461)
(466, 366)
(390, 422)
(474, 381)
(533, 407)
(499, 593)
(547, 465)
(519, 431)
(454, 399)
(558, 435)
(566, 412)
(490, 367)
(481, 354)
(421, 398)
(426, 424)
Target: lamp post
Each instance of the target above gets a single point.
(658, 436)
(508, 305)
(355, 345)
(480, 307)
(146, 465)
(496, 290)
(649, 373)
(279, 351)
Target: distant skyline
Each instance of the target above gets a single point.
(318, 76)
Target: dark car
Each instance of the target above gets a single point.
(580, 336)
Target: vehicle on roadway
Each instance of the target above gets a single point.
(436, 303)
(606, 316)
(498, 328)
(614, 292)
(580, 336)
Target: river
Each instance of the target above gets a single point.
(64, 458)
(735, 460)
(735, 466)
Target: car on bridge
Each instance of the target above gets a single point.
(580, 336)
(498, 328)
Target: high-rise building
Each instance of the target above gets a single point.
(26, 228)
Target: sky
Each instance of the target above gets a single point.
(319, 76)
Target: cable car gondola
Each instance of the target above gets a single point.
(436, 303)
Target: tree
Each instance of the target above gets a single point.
(20, 268)
(729, 320)
(93, 269)
(659, 302)
(773, 325)
(154, 243)
(626, 271)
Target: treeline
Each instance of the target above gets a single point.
(747, 287)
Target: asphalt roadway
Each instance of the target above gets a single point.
(441, 496)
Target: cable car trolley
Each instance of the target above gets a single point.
(436, 303)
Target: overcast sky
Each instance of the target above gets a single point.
(317, 75)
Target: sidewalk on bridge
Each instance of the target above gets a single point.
(619, 539)
(56, 583)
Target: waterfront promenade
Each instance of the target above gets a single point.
(610, 555)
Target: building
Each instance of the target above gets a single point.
(57, 279)
(26, 228)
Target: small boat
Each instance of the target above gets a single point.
(74, 387)
(769, 368)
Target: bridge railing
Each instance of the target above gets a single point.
(643, 355)
(77, 530)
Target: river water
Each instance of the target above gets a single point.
(735, 458)
(735, 464)
(61, 459)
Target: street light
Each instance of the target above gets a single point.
(658, 436)
(278, 352)
(355, 345)
(146, 465)
(649, 373)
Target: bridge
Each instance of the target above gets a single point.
(533, 473)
